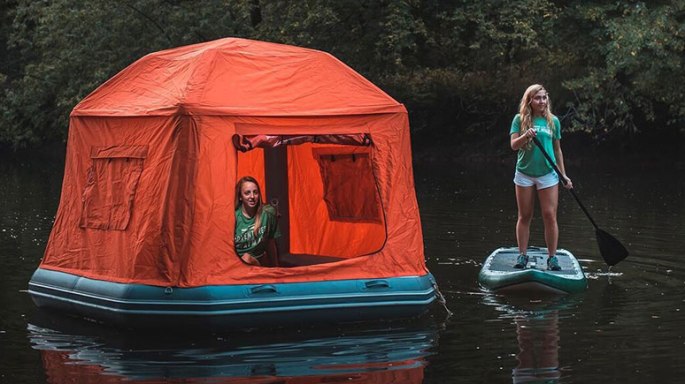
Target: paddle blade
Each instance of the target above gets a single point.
(611, 249)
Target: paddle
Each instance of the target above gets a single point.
(612, 250)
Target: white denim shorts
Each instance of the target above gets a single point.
(545, 181)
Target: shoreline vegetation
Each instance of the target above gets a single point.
(613, 70)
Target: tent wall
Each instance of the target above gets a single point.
(181, 227)
(134, 253)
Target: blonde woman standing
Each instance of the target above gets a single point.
(534, 175)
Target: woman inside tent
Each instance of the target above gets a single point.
(256, 225)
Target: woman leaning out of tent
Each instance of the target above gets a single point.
(256, 225)
(533, 172)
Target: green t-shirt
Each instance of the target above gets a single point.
(245, 240)
(530, 160)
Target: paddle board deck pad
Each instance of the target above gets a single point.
(498, 272)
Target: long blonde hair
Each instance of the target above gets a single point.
(526, 112)
(260, 205)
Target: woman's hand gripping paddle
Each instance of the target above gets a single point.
(612, 250)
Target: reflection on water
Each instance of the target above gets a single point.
(536, 326)
(71, 350)
(627, 327)
(538, 357)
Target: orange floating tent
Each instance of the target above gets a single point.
(153, 156)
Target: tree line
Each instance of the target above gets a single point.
(613, 68)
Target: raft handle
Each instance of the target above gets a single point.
(376, 284)
(263, 289)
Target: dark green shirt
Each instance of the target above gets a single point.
(245, 239)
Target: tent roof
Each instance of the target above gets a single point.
(237, 77)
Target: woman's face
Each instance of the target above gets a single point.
(249, 194)
(538, 103)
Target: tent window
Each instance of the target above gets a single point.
(349, 186)
(111, 184)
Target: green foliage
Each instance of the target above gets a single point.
(69, 47)
(633, 80)
(460, 66)
(475, 59)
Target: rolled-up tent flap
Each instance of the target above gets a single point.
(245, 143)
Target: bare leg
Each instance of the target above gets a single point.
(549, 200)
(525, 200)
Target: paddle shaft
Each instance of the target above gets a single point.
(563, 181)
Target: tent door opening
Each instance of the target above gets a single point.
(325, 194)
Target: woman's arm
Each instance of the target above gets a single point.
(249, 259)
(559, 156)
(518, 140)
(272, 252)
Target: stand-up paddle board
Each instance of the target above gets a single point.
(498, 272)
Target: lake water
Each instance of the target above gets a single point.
(625, 328)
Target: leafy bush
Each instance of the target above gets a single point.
(613, 68)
